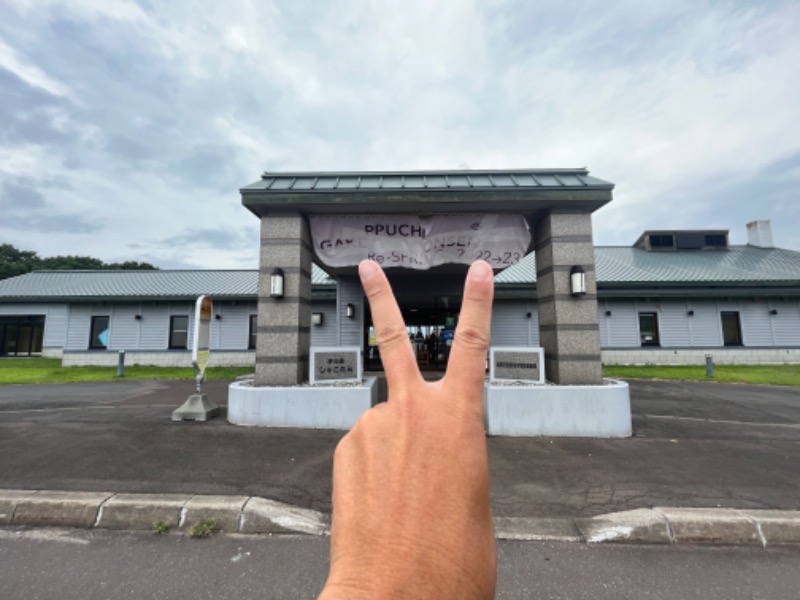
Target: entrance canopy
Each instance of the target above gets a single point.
(437, 199)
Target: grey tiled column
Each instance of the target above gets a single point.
(568, 325)
(282, 344)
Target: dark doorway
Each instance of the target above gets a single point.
(21, 335)
(731, 329)
(430, 330)
(648, 329)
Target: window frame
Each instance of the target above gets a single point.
(656, 342)
(95, 319)
(172, 331)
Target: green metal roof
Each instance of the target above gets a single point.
(616, 267)
(130, 284)
(627, 265)
(420, 181)
(530, 192)
(160, 284)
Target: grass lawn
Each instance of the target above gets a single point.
(49, 370)
(758, 374)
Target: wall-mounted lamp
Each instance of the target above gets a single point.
(351, 311)
(690, 313)
(608, 313)
(137, 317)
(317, 318)
(218, 317)
(577, 281)
(276, 283)
(774, 311)
(529, 315)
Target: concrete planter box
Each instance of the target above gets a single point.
(558, 410)
(311, 407)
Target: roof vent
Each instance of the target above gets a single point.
(759, 234)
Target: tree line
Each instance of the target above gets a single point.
(14, 261)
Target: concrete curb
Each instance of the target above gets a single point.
(251, 514)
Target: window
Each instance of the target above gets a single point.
(251, 344)
(716, 240)
(731, 329)
(178, 333)
(648, 329)
(98, 338)
(662, 241)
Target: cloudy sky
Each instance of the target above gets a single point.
(127, 127)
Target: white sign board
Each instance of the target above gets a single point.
(415, 242)
(202, 335)
(517, 364)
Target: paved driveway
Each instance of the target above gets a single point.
(695, 444)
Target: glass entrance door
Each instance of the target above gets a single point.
(430, 331)
(21, 335)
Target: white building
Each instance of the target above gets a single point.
(670, 298)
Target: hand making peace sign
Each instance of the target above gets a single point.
(411, 515)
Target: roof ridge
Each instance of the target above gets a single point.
(582, 170)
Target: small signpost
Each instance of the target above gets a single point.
(517, 364)
(335, 363)
(198, 407)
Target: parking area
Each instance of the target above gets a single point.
(694, 444)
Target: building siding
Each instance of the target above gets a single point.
(786, 324)
(78, 328)
(233, 330)
(674, 324)
(124, 327)
(755, 321)
(510, 324)
(349, 291)
(622, 325)
(325, 334)
(705, 326)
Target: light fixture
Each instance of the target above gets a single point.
(608, 313)
(351, 311)
(276, 283)
(137, 317)
(218, 317)
(774, 311)
(529, 315)
(317, 318)
(577, 281)
(690, 313)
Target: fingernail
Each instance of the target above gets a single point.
(368, 269)
(480, 271)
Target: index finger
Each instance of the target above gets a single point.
(397, 356)
(468, 357)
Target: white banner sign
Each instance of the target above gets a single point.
(417, 242)
(202, 335)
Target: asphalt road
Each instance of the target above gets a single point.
(95, 565)
(695, 444)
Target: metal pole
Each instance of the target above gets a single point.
(121, 364)
(709, 366)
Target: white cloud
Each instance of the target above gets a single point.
(11, 61)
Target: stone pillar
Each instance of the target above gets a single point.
(568, 326)
(284, 333)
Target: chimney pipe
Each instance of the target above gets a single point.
(759, 234)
